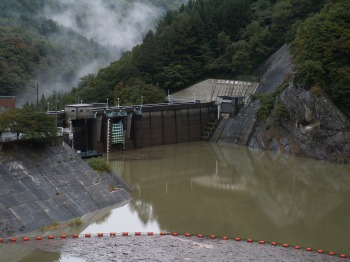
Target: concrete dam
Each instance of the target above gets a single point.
(102, 128)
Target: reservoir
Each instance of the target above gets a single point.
(230, 190)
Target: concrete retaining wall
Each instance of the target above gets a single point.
(39, 187)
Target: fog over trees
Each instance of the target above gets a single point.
(54, 43)
(97, 50)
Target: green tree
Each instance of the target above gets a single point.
(205, 38)
(241, 58)
(321, 52)
(262, 12)
(32, 125)
(175, 77)
(131, 93)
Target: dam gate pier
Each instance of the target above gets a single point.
(99, 128)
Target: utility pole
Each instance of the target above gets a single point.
(108, 138)
(55, 97)
(37, 96)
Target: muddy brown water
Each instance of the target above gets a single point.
(229, 190)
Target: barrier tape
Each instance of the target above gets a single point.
(175, 234)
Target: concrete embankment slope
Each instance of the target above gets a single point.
(39, 187)
(272, 72)
(237, 130)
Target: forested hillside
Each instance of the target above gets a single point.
(322, 53)
(53, 43)
(210, 38)
(201, 39)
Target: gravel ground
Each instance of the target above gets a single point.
(175, 248)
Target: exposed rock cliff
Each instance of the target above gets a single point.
(275, 70)
(311, 124)
(302, 122)
(272, 72)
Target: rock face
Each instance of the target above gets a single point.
(272, 72)
(39, 187)
(304, 123)
(314, 126)
(276, 69)
(327, 137)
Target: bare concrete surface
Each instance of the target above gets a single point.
(42, 186)
(176, 248)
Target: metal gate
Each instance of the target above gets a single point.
(117, 133)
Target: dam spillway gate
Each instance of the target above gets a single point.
(99, 128)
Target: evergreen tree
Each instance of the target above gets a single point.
(322, 52)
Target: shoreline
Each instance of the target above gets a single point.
(175, 247)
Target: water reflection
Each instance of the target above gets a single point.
(231, 190)
(236, 191)
(26, 253)
(124, 219)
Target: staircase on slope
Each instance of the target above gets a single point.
(209, 129)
